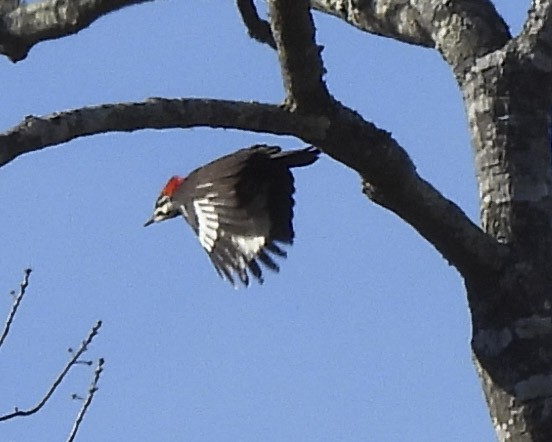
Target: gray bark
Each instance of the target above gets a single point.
(22, 26)
(506, 86)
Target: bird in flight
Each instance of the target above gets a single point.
(240, 206)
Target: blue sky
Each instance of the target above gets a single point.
(364, 334)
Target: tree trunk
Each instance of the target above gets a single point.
(507, 102)
(506, 85)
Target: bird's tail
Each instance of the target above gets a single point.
(298, 157)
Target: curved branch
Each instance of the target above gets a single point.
(36, 133)
(74, 360)
(26, 25)
(390, 179)
(257, 28)
(461, 30)
(397, 19)
(389, 176)
(461, 242)
(300, 61)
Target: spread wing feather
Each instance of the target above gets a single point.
(241, 206)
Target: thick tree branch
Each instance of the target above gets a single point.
(389, 176)
(15, 305)
(36, 133)
(397, 19)
(300, 61)
(29, 24)
(74, 360)
(345, 136)
(390, 179)
(461, 30)
(443, 224)
(535, 40)
(257, 28)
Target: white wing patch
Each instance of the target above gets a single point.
(249, 246)
(207, 220)
(236, 253)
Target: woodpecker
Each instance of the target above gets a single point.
(240, 206)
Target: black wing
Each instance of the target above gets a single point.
(241, 208)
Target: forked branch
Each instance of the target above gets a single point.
(389, 176)
(87, 400)
(73, 361)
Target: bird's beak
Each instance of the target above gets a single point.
(148, 222)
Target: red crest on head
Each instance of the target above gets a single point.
(172, 185)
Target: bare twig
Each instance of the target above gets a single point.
(74, 360)
(15, 305)
(29, 24)
(257, 28)
(87, 401)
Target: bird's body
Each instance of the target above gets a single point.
(240, 206)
